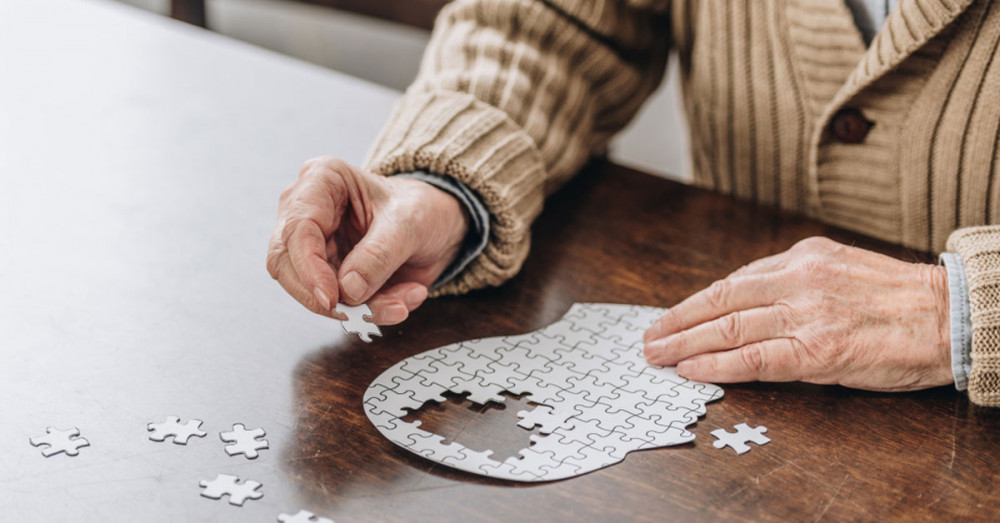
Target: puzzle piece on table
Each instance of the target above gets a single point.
(226, 485)
(246, 442)
(596, 399)
(173, 428)
(738, 440)
(357, 321)
(57, 441)
(303, 516)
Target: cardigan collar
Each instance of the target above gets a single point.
(831, 58)
(834, 65)
(908, 27)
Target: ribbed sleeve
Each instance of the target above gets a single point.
(979, 248)
(513, 97)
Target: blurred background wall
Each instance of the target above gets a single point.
(388, 53)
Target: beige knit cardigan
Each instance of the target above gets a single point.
(513, 96)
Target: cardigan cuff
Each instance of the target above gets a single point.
(454, 134)
(979, 250)
(961, 319)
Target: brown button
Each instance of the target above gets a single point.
(850, 126)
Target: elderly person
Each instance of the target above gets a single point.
(883, 121)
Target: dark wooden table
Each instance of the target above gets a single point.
(136, 204)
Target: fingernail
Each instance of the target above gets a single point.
(354, 285)
(416, 296)
(394, 313)
(687, 367)
(651, 333)
(322, 298)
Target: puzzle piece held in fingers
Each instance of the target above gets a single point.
(357, 321)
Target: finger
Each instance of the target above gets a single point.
(718, 299)
(307, 250)
(735, 329)
(394, 304)
(771, 263)
(311, 211)
(284, 272)
(770, 360)
(373, 260)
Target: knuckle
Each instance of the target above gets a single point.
(752, 356)
(288, 192)
(813, 244)
(717, 294)
(729, 329)
(680, 342)
(669, 322)
(323, 165)
(311, 165)
(321, 161)
(741, 271)
(274, 255)
(288, 230)
(812, 268)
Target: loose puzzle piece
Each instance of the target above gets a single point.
(303, 516)
(596, 399)
(738, 440)
(57, 441)
(226, 485)
(246, 442)
(357, 321)
(173, 428)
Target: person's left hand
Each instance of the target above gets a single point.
(820, 312)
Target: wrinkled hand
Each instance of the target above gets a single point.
(820, 312)
(348, 235)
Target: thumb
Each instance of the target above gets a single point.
(373, 260)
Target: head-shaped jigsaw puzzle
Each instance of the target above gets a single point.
(597, 397)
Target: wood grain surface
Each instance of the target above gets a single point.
(614, 235)
(136, 202)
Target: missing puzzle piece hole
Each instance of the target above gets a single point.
(478, 427)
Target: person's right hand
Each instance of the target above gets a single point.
(347, 235)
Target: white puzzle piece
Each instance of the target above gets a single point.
(738, 440)
(357, 321)
(173, 428)
(243, 441)
(57, 441)
(597, 398)
(226, 485)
